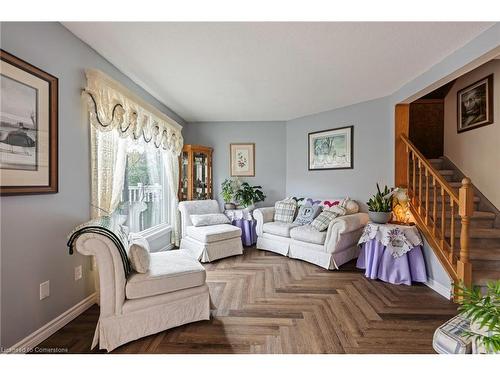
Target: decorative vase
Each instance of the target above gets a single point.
(229, 206)
(380, 217)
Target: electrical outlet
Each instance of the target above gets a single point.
(44, 290)
(78, 272)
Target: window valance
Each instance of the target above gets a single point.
(112, 106)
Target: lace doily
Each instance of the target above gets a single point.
(398, 239)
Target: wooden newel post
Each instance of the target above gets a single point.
(465, 209)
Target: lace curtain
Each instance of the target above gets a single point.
(118, 117)
(108, 161)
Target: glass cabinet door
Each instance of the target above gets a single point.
(200, 175)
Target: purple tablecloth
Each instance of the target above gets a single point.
(380, 264)
(248, 232)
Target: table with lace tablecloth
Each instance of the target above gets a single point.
(243, 219)
(392, 253)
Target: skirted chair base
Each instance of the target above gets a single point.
(208, 252)
(147, 316)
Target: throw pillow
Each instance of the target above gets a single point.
(284, 211)
(209, 219)
(139, 253)
(307, 213)
(324, 219)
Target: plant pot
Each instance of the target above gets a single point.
(380, 217)
(250, 207)
(229, 206)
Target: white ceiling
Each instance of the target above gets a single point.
(271, 71)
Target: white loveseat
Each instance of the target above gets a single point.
(328, 249)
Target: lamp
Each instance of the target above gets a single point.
(400, 207)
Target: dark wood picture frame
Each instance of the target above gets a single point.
(490, 102)
(53, 88)
(351, 128)
(231, 173)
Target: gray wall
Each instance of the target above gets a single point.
(34, 228)
(373, 153)
(270, 152)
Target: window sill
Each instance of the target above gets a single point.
(154, 233)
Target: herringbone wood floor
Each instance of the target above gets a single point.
(267, 303)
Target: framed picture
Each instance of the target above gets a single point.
(28, 128)
(475, 105)
(242, 159)
(331, 149)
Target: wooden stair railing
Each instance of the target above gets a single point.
(422, 181)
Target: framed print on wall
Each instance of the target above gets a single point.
(331, 149)
(28, 128)
(475, 105)
(242, 159)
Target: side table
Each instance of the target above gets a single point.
(392, 253)
(243, 219)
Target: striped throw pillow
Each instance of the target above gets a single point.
(324, 219)
(284, 211)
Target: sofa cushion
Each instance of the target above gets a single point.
(307, 213)
(278, 228)
(209, 219)
(169, 271)
(213, 233)
(284, 211)
(307, 233)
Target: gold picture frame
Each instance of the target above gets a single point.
(242, 159)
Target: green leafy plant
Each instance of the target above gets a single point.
(382, 201)
(247, 195)
(482, 310)
(227, 190)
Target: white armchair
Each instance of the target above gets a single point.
(208, 243)
(329, 249)
(172, 293)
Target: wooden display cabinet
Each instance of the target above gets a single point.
(195, 175)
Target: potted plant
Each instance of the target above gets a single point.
(227, 193)
(248, 195)
(483, 311)
(380, 206)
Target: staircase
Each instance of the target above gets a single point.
(461, 228)
(484, 236)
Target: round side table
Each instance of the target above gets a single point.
(392, 253)
(244, 220)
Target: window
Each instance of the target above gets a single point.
(144, 198)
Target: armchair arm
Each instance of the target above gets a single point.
(263, 215)
(335, 239)
(110, 268)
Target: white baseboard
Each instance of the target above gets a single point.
(41, 334)
(439, 288)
